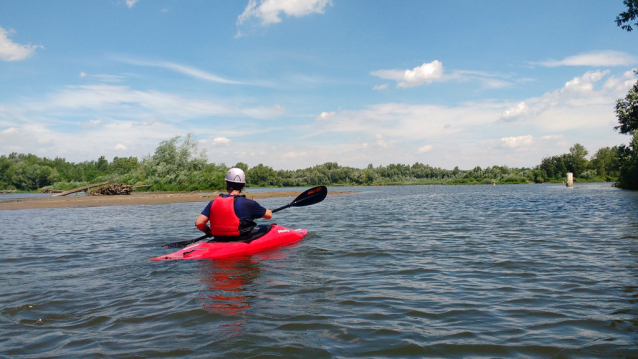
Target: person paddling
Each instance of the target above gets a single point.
(232, 215)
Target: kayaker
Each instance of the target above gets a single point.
(232, 215)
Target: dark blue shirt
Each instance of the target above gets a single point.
(245, 209)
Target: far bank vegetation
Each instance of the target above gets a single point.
(176, 165)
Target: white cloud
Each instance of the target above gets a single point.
(427, 72)
(597, 58)
(325, 115)
(119, 147)
(10, 51)
(584, 83)
(124, 101)
(295, 154)
(379, 141)
(150, 121)
(464, 134)
(380, 87)
(82, 74)
(434, 72)
(221, 141)
(575, 105)
(518, 141)
(515, 112)
(130, 3)
(91, 123)
(267, 12)
(9, 131)
(186, 70)
(425, 148)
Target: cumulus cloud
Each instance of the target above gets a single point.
(517, 141)
(584, 83)
(82, 74)
(11, 51)
(130, 3)
(119, 147)
(380, 87)
(434, 71)
(221, 141)
(516, 112)
(424, 149)
(574, 105)
(325, 115)
(427, 72)
(267, 12)
(597, 58)
(529, 142)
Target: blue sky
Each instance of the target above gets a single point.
(292, 84)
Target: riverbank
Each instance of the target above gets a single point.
(134, 199)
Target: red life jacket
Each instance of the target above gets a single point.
(223, 220)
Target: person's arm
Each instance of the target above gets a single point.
(200, 223)
(268, 214)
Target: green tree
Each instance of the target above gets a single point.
(626, 17)
(627, 111)
(628, 164)
(578, 159)
(605, 162)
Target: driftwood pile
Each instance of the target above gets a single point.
(113, 189)
(49, 190)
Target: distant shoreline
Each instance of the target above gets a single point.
(134, 199)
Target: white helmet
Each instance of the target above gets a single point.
(236, 175)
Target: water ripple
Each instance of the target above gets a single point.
(421, 271)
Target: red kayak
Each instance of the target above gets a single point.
(277, 236)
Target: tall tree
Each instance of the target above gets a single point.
(627, 110)
(625, 18)
(627, 113)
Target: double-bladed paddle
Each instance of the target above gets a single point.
(311, 196)
(308, 197)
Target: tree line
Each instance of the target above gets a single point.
(177, 165)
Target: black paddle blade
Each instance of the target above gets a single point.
(183, 244)
(311, 196)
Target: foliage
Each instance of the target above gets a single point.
(176, 165)
(628, 164)
(627, 110)
(628, 16)
(627, 114)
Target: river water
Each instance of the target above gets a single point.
(520, 271)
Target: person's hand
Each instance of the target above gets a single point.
(207, 231)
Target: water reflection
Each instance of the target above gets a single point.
(228, 282)
(231, 282)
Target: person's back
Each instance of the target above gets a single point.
(232, 216)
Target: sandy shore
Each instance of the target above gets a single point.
(134, 199)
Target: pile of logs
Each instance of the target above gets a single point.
(113, 189)
(49, 190)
